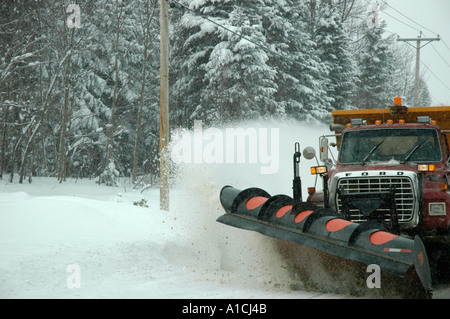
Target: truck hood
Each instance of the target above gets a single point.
(377, 166)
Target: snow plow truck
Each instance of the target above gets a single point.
(385, 199)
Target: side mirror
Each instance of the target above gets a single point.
(323, 144)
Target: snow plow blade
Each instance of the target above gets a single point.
(321, 228)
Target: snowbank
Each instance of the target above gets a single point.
(82, 240)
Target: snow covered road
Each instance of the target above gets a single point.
(81, 240)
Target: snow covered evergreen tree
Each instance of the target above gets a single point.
(102, 85)
(376, 69)
(424, 94)
(238, 80)
(300, 73)
(190, 48)
(59, 87)
(403, 72)
(333, 49)
(223, 76)
(24, 94)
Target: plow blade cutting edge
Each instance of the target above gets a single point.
(304, 223)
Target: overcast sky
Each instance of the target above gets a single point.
(434, 18)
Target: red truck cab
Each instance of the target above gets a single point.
(392, 167)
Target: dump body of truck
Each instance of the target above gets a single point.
(440, 114)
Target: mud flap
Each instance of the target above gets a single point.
(305, 224)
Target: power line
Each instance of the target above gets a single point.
(429, 70)
(448, 88)
(399, 12)
(225, 28)
(437, 78)
(445, 44)
(418, 41)
(448, 48)
(401, 21)
(273, 52)
(440, 55)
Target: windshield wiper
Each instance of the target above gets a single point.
(371, 151)
(414, 150)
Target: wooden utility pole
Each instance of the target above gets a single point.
(418, 40)
(164, 169)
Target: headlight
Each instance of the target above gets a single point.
(426, 167)
(437, 209)
(318, 170)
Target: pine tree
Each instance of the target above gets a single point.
(333, 50)
(403, 72)
(21, 99)
(223, 76)
(190, 49)
(301, 92)
(148, 20)
(424, 93)
(107, 88)
(238, 79)
(376, 69)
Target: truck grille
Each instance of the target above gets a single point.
(404, 196)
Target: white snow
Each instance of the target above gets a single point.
(79, 239)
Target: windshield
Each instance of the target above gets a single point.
(384, 145)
